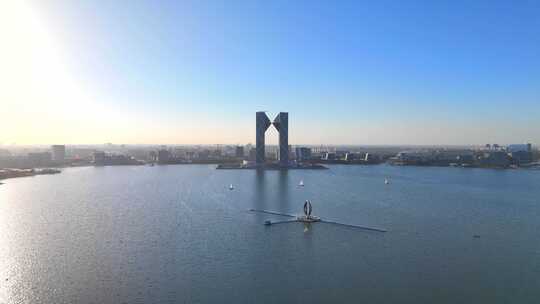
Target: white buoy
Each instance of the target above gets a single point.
(301, 184)
(231, 187)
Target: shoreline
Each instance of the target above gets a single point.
(16, 173)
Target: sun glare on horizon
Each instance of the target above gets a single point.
(42, 100)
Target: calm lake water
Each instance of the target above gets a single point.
(177, 234)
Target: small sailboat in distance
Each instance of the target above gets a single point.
(386, 181)
(301, 184)
(231, 187)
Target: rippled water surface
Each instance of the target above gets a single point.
(177, 234)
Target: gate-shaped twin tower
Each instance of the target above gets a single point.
(281, 122)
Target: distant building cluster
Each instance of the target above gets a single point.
(42, 158)
(245, 156)
(58, 153)
(196, 154)
(493, 156)
(108, 159)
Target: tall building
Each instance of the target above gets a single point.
(39, 159)
(252, 154)
(163, 156)
(58, 153)
(99, 158)
(521, 154)
(239, 152)
(281, 122)
(262, 124)
(303, 154)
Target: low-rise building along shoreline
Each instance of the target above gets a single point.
(491, 156)
(271, 166)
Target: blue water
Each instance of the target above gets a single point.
(177, 234)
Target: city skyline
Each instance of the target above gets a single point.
(379, 73)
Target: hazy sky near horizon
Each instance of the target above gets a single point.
(348, 72)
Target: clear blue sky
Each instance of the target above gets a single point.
(358, 72)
